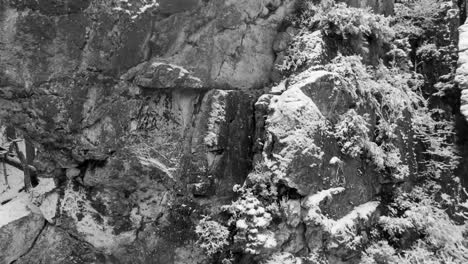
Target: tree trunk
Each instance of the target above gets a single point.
(27, 174)
(5, 175)
(30, 156)
(25, 160)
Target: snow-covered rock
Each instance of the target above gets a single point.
(20, 225)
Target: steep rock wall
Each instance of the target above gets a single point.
(225, 43)
(147, 122)
(142, 120)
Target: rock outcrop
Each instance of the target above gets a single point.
(328, 195)
(22, 222)
(224, 43)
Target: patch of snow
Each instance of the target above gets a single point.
(45, 185)
(147, 6)
(280, 88)
(22, 203)
(335, 161)
(361, 212)
(267, 239)
(310, 77)
(15, 183)
(15, 209)
(464, 100)
(261, 221)
(241, 224)
(314, 200)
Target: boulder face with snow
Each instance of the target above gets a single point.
(328, 193)
(18, 236)
(21, 221)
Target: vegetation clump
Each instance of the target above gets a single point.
(251, 218)
(339, 19)
(212, 236)
(393, 110)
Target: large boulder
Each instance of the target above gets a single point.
(55, 246)
(19, 229)
(300, 149)
(327, 193)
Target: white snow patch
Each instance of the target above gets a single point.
(21, 203)
(361, 212)
(335, 161)
(14, 210)
(310, 77)
(15, 182)
(45, 185)
(314, 200)
(267, 239)
(241, 224)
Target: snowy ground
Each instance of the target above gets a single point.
(15, 181)
(13, 204)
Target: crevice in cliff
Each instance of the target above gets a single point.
(74, 236)
(462, 5)
(33, 242)
(286, 191)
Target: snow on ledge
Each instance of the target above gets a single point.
(314, 200)
(361, 212)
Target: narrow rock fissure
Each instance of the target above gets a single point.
(33, 242)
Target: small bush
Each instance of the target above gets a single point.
(212, 236)
(395, 226)
(379, 253)
(326, 20)
(251, 220)
(352, 133)
(339, 19)
(437, 137)
(305, 50)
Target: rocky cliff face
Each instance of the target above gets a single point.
(146, 122)
(148, 116)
